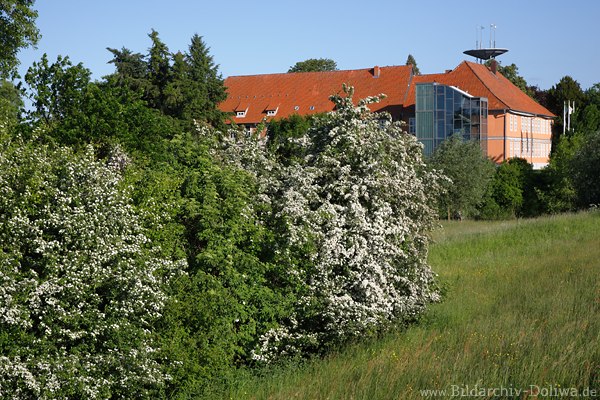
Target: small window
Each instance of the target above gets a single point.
(240, 114)
(312, 108)
(271, 109)
(296, 108)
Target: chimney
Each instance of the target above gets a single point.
(494, 66)
(376, 71)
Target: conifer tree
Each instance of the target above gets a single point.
(175, 90)
(131, 70)
(411, 61)
(159, 71)
(205, 88)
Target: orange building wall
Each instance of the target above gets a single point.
(512, 135)
(495, 139)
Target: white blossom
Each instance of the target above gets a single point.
(79, 281)
(362, 199)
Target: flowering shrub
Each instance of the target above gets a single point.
(207, 211)
(352, 218)
(79, 281)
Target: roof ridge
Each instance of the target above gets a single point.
(508, 81)
(484, 84)
(320, 72)
(410, 81)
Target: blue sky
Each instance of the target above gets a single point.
(546, 39)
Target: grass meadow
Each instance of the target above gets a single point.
(520, 319)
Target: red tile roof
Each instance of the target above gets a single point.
(308, 92)
(478, 80)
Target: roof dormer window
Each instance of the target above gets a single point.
(241, 110)
(272, 109)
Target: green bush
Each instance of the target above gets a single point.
(80, 283)
(351, 210)
(585, 167)
(199, 208)
(470, 173)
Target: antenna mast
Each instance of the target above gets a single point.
(481, 53)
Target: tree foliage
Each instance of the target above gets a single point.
(203, 85)
(80, 282)
(74, 111)
(410, 60)
(512, 192)
(511, 72)
(567, 89)
(283, 136)
(470, 173)
(559, 195)
(57, 89)
(587, 115)
(17, 31)
(585, 169)
(350, 219)
(131, 70)
(186, 86)
(233, 291)
(11, 104)
(314, 65)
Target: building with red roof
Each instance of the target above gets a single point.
(474, 100)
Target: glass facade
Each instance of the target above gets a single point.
(442, 111)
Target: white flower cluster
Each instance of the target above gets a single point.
(79, 281)
(362, 201)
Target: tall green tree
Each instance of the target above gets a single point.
(204, 86)
(567, 89)
(10, 103)
(588, 114)
(186, 86)
(558, 195)
(410, 60)
(56, 89)
(17, 31)
(470, 172)
(585, 171)
(159, 72)
(314, 65)
(593, 94)
(74, 111)
(131, 70)
(174, 92)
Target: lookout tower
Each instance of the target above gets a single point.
(485, 53)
